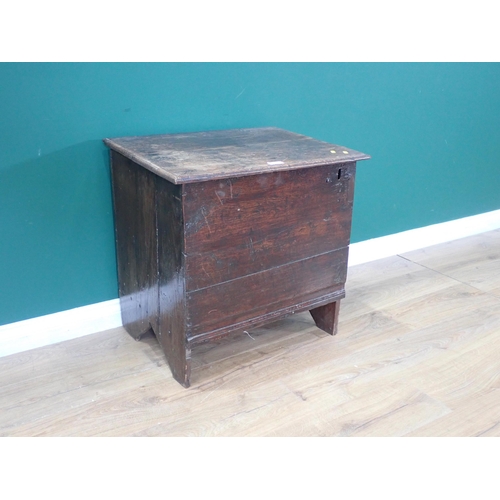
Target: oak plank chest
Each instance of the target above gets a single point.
(226, 230)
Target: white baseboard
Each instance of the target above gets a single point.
(74, 323)
(60, 326)
(414, 239)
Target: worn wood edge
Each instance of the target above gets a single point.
(269, 317)
(178, 179)
(140, 160)
(173, 341)
(277, 168)
(94, 318)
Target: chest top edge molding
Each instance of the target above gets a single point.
(221, 154)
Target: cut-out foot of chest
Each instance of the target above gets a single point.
(227, 230)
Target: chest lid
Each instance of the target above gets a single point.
(220, 154)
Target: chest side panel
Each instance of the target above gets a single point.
(136, 249)
(241, 226)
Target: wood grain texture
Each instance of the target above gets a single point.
(246, 225)
(228, 243)
(221, 154)
(258, 294)
(272, 316)
(473, 260)
(326, 317)
(136, 245)
(172, 314)
(388, 374)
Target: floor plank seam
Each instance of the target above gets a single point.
(416, 355)
(487, 430)
(450, 277)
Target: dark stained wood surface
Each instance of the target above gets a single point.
(246, 225)
(271, 316)
(326, 317)
(257, 294)
(220, 154)
(135, 229)
(172, 320)
(227, 230)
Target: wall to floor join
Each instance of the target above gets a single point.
(432, 130)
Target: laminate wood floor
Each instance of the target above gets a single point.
(417, 354)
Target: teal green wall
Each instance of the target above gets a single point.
(433, 131)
